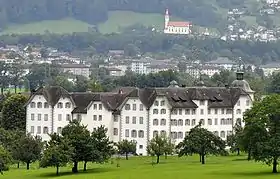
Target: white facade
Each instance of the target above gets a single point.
(171, 27)
(134, 119)
(139, 67)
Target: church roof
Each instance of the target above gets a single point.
(178, 24)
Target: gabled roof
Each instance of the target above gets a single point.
(178, 24)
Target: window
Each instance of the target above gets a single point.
(67, 105)
(134, 107)
(216, 133)
(46, 117)
(46, 130)
(216, 121)
(100, 106)
(33, 105)
(187, 112)
(163, 111)
(95, 106)
(155, 122)
(216, 111)
(141, 134)
(155, 133)
(68, 117)
(59, 117)
(140, 146)
(174, 111)
(141, 107)
(180, 135)
(115, 131)
(141, 120)
(59, 105)
(201, 111)
(187, 133)
(202, 122)
(162, 122)
(100, 118)
(95, 117)
(133, 120)
(223, 134)
(229, 133)
(39, 116)
(46, 105)
(247, 102)
(32, 117)
(238, 111)
(180, 111)
(187, 122)
(229, 111)
(116, 118)
(32, 130)
(59, 130)
(173, 122)
(39, 105)
(174, 135)
(127, 107)
(39, 130)
(223, 111)
(127, 133)
(222, 121)
(193, 122)
(210, 122)
(238, 103)
(127, 119)
(180, 122)
(155, 111)
(133, 133)
(193, 111)
(156, 103)
(229, 121)
(209, 111)
(163, 133)
(162, 103)
(201, 103)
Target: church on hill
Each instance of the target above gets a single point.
(176, 27)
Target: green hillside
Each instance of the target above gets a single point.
(117, 20)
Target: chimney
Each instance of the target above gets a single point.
(239, 75)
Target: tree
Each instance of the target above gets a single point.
(157, 146)
(262, 130)
(234, 141)
(202, 142)
(126, 147)
(4, 77)
(15, 72)
(169, 148)
(79, 139)
(5, 159)
(14, 113)
(103, 147)
(57, 153)
(29, 149)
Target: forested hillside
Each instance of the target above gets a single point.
(201, 12)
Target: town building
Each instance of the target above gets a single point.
(270, 68)
(76, 69)
(223, 62)
(176, 27)
(141, 114)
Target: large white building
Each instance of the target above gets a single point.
(140, 114)
(175, 27)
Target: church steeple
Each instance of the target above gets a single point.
(166, 19)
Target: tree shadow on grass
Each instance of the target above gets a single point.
(240, 159)
(69, 173)
(247, 174)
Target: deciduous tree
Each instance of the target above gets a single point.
(126, 147)
(157, 146)
(202, 142)
(5, 159)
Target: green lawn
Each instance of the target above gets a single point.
(173, 168)
(67, 25)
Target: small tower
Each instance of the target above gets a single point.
(166, 19)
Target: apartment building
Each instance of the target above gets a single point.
(140, 114)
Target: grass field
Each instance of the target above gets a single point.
(231, 167)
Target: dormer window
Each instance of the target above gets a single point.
(162, 103)
(156, 103)
(33, 105)
(201, 103)
(39, 105)
(68, 105)
(59, 105)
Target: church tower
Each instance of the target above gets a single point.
(166, 20)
